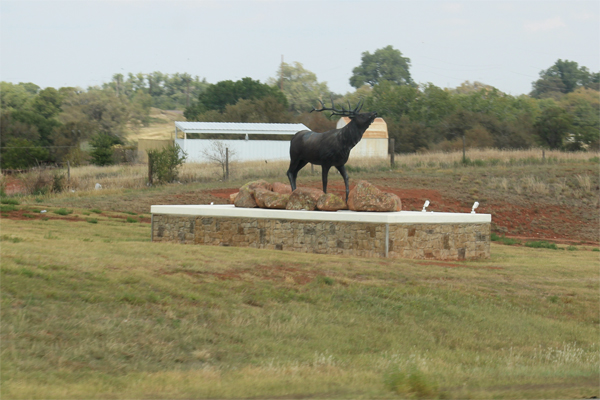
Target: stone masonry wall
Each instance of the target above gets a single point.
(417, 241)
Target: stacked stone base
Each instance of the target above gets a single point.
(441, 241)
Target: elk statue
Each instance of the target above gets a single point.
(331, 148)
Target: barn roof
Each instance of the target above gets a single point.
(239, 127)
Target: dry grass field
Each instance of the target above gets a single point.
(90, 308)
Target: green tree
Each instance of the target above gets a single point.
(553, 126)
(300, 86)
(583, 105)
(22, 153)
(386, 64)
(563, 77)
(102, 148)
(218, 96)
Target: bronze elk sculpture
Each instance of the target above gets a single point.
(331, 148)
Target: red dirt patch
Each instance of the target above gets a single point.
(548, 222)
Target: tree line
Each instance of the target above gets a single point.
(71, 124)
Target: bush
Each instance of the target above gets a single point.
(63, 211)
(163, 164)
(5, 200)
(415, 384)
(542, 244)
(102, 148)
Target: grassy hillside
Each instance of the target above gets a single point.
(92, 309)
(162, 125)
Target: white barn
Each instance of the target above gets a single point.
(262, 141)
(249, 141)
(374, 142)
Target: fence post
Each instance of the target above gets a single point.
(227, 163)
(543, 155)
(68, 172)
(392, 149)
(150, 169)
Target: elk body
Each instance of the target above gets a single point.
(331, 148)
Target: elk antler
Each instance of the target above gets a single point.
(343, 111)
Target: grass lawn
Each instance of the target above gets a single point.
(95, 310)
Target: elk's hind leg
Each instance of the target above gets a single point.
(292, 173)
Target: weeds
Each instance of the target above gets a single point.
(9, 201)
(10, 238)
(541, 244)
(504, 240)
(414, 383)
(130, 219)
(63, 211)
(7, 208)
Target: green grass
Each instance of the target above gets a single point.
(9, 200)
(89, 314)
(63, 211)
(504, 240)
(95, 210)
(7, 207)
(541, 244)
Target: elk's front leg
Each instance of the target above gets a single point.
(342, 170)
(324, 173)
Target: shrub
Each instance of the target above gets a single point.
(92, 220)
(571, 248)
(63, 211)
(130, 219)
(164, 164)
(542, 244)
(415, 384)
(102, 148)
(7, 207)
(6, 200)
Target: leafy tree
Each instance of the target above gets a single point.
(22, 153)
(16, 97)
(386, 64)
(47, 103)
(583, 105)
(300, 86)
(553, 126)
(102, 148)
(218, 96)
(563, 77)
(164, 163)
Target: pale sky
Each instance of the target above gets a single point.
(500, 43)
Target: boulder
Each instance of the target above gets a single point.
(232, 197)
(331, 202)
(267, 199)
(304, 199)
(245, 197)
(282, 188)
(366, 197)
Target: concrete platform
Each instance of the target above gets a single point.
(406, 234)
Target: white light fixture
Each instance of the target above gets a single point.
(475, 205)
(425, 206)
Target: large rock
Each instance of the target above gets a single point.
(267, 199)
(304, 199)
(331, 202)
(232, 197)
(366, 197)
(282, 188)
(245, 197)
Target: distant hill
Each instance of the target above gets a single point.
(161, 125)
